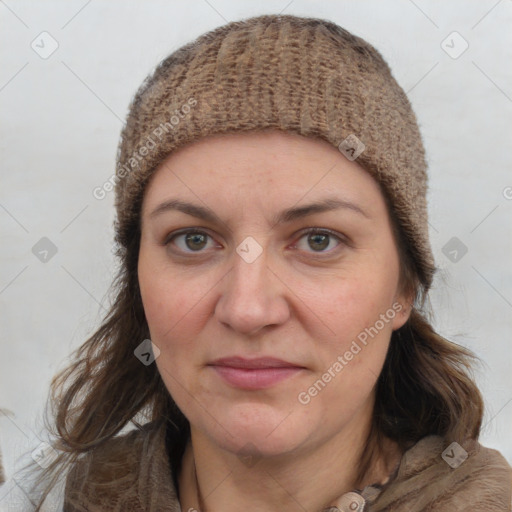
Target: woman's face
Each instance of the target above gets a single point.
(251, 283)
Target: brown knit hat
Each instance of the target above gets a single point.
(303, 75)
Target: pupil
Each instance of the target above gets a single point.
(324, 237)
(193, 237)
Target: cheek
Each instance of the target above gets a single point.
(159, 304)
(351, 357)
(177, 307)
(167, 297)
(354, 303)
(167, 308)
(358, 310)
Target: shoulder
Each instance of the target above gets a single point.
(487, 482)
(438, 475)
(128, 472)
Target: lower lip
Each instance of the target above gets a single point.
(259, 378)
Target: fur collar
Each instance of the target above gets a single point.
(131, 473)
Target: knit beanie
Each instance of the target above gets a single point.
(301, 75)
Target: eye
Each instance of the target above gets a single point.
(190, 241)
(320, 239)
(194, 241)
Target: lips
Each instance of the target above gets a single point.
(258, 363)
(259, 373)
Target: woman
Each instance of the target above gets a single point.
(269, 337)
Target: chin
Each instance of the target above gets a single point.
(255, 430)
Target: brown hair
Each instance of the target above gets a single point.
(424, 387)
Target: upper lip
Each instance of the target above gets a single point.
(259, 362)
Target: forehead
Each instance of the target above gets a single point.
(270, 169)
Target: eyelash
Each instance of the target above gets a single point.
(308, 231)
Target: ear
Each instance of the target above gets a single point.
(402, 305)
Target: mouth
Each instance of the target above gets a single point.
(259, 373)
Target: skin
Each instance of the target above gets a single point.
(302, 300)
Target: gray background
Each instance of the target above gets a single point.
(61, 118)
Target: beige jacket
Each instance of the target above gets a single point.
(132, 474)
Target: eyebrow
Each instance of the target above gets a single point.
(282, 217)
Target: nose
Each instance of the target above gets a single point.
(253, 296)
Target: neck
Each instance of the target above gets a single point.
(307, 480)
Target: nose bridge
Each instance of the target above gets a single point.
(250, 267)
(251, 297)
